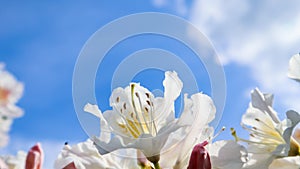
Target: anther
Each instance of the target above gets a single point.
(148, 95)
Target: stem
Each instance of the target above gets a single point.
(156, 165)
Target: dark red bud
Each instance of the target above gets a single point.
(70, 166)
(200, 158)
(35, 157)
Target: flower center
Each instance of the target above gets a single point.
(3, 95)
(294, 148)
(137, 112)
(266, 139)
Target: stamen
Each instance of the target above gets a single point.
(265, 124)
(143, 114)
(130, 127)
(148, 95)
(272, 128)
(264, 135)
(219, 132)
(233, 133)
(134, 107)
(151, 116)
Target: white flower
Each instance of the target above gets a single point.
(15, 162)
(269, 137)
(200, 110)
(294, 67)
(286, 163)
(140, 120)
(10, 89)
(10, 92)
(85, 156)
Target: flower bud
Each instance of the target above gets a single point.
(70, 166)
(200, 158)
(35, 157)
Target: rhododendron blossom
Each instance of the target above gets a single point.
(10, 92)
(270, 138)
(140, 120)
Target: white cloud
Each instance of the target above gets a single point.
(179, 6)
(260, 35)
(51, 149)
(159, 3)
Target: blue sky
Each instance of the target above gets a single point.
(40, 42)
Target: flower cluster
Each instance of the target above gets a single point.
(147, 128)
(10, 92)
(141, 131)
(31, 160)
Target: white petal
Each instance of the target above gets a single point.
(286, 163)
(164, 107)
(294, 67)
(105, 131)
(4, 138)
(11, 111)
(202, 111)
(16, 162)
(227, 155)
(198, 112)
(86, 156)
(148, 144)
(258, 161)
(203, 108)
(264, 103)
(2, 163)
(172, 85)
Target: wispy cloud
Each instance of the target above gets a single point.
(180, 6)
(259, 35)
